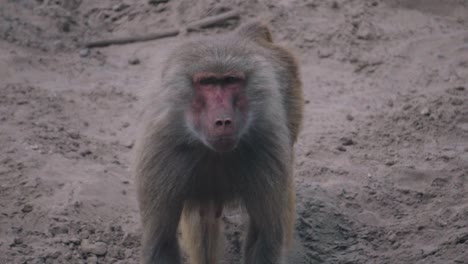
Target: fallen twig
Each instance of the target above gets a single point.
(206, 22)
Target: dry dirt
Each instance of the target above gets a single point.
(382, 161)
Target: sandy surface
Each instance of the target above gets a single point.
(382, 161)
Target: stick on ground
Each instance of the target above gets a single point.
(206, 22)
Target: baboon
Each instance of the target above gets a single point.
(221, 129)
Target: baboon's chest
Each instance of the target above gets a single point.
(215, 181)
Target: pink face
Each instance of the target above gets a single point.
(219, 108)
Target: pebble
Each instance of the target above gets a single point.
(349, 117)
(85, 153)
(84, 52)
(134, 61)
(391, 237)
(54, 254)
(325, 53)
(341, 148)
(128, 253)
(17, 241)
(98, 248)
(129, 144)
(457, 101)
(406, 107)
(68, 256)
(425, 111)
(119, 7)
(74, 135)
(390, 103)
(155, 2)
(92, 260)
(347, 141)
(58, 229)
(27, 208)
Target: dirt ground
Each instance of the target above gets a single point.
(382, 161)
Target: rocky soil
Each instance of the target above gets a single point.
(382, 161)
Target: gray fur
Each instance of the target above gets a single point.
(174, 166)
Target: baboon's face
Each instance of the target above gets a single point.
(218, 110)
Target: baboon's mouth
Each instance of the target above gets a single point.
(223, 144)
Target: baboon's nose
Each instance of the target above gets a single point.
(226, 122)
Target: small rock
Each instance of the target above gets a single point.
(349, 117)
(68, 256)
(325, 52)
(92, 259)
(78, 204)
(128, 253)
(27, 208)
(390, 163)
(460, 88)
(54, 254)
(130, 240)
(64, 26)
(17, 241)
(129, 144)
(115, 228)
(74, 135)
(73, 240)
(396, 245)
(390, 103)
(134, 61)
(58, 45)
(341, 148)
(365, 31)
(346, 141)
(85, 153)
(448, 155)
(98, 248)
(309, 38)
(425, 111)
(161, 8)
(457, 101)
(119, 7)
(58, 229)
(156, 2)
(84, 52)
(335, 5)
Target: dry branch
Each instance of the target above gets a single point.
(206, 22)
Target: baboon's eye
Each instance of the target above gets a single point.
(231, 80)
(209, 81)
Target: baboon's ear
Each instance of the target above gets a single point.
(257, 31)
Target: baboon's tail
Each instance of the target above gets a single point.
(201, 232)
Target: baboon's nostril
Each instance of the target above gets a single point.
(219, 123)
(223, 122)
(227, 122)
